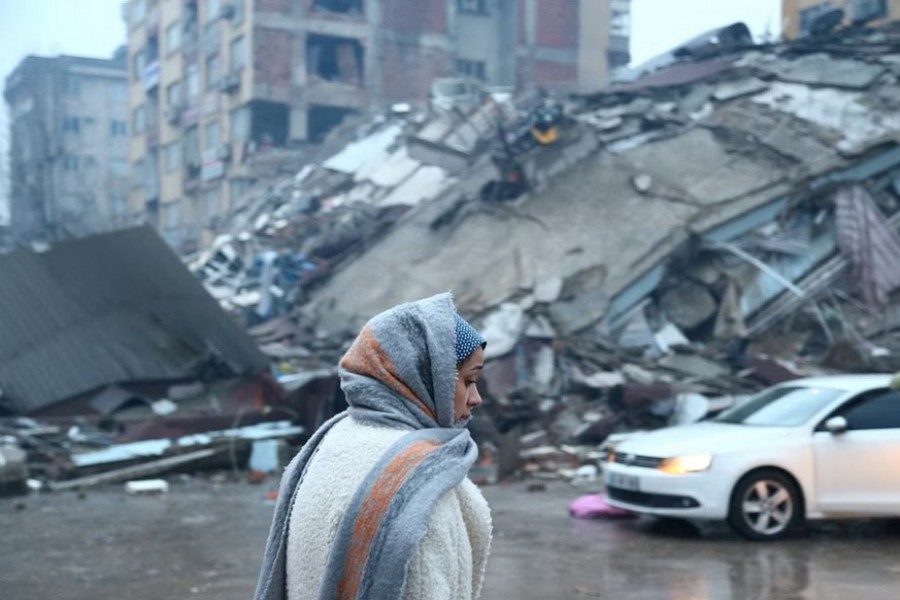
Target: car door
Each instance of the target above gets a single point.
(858, 470)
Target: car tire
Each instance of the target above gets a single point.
(765, 505)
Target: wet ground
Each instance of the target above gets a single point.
(204, 540)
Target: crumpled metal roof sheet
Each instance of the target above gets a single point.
(107, 309)
(679, 74)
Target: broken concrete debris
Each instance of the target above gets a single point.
(645, 255)
(688, 305)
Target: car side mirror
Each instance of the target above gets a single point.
(836, 425)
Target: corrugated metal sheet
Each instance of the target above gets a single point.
(107, 309)
(872, 247)
(679, 74)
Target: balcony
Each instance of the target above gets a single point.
(150, 76)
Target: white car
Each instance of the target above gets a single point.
(818, 448)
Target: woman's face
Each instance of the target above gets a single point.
(467, 397)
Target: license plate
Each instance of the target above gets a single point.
(623, 482)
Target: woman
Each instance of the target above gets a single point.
(377, 504)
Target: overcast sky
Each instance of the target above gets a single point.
(95, 28)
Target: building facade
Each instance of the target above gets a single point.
(68, 147)
(799, 15)
(216, 86)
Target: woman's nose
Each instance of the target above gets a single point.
(474, 397)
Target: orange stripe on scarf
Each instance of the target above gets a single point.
(367, 357)
(372, 511)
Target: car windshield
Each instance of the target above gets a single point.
(780, 407)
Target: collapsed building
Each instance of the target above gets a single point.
(110, 348)
(725, 221)
(662, 248)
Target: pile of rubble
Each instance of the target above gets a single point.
(39, 457)
(295, 232)
(720, 222)
(650, 254)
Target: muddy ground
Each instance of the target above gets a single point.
(204, 540)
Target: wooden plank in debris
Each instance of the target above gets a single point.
(133, 472)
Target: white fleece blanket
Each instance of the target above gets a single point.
(448, 563)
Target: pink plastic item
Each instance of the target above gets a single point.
(595, 506)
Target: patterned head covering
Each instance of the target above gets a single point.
(467, 339)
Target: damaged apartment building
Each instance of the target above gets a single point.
(68, 147)
(225, 94)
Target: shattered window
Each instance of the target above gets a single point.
(335, 59)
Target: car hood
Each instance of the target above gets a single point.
(699, 438)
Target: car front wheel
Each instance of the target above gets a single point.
(765, 505)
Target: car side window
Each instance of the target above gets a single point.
(874, 411)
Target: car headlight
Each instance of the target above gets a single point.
(681, 465)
